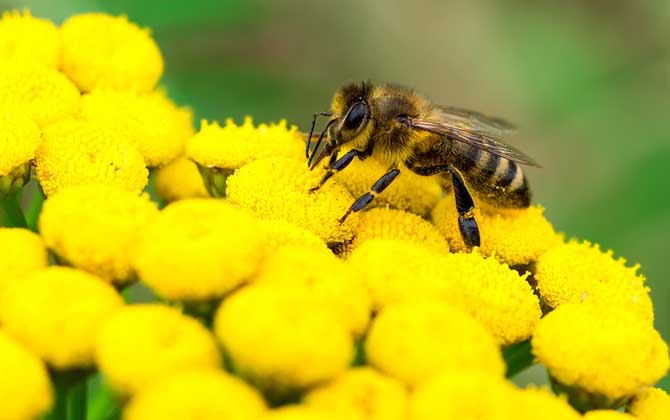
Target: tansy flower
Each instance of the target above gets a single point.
(529, 402)
(153, 123)
(43, 94)
(56, 312)
(278, 189)
(196, 395)
(279, 233)
(298, 412)
(516, 237)
(25, 39)
(198, 249)
(19, 138)
(25, 387)
(363, 394)
(281, 341)
(94, 227)
(414, 341)
(144, 343)
(650, 404)
(608, 415)
(581, 272)
(21, 252)
(75, 152)
(599, 354)
(100, 50)
(178, 180)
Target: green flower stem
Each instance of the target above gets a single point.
(518, 358)
(34, 209)
(76, 401)
(70, 396)
(12, 215)
(103, 404)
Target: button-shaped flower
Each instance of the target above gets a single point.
(30, 40)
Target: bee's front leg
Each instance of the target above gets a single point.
(335, 165)
(379, 186)
(464, 205)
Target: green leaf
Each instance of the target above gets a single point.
(518, 357)
(12, 215)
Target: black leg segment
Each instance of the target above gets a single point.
(464, 205)
(379, 186)
(336, 165)
(311, 130)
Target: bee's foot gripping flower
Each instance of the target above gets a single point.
(19, 138)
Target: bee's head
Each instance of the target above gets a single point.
(351, 109)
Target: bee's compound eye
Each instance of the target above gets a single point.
(357, 114)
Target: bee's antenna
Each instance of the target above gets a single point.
(311, 130)
(318, 143)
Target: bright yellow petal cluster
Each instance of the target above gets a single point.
(29, 40)
(607, 415)
(581, 272)
(601, 350)
(25, 387)
(19, 138)
(650, 404)
(298, 412)
(144, 343)
(178, 180)
(94, 227)
(197, 395)
(56, 312)
(103, 51)
(75, 152)
(529, 402)
(278, 189)
(415, 341)
(361, 394)
(21, 252)
(279, 233)
(152, 121)
(198, 249)
(516, 237)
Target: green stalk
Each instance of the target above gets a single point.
(34, 209)
(518, 357)
(76, 401)
(70, 396)
(12, 215)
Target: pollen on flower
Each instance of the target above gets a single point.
(30, 40)
(123, 56)
(178, 180)
(19, 138)
(94, 227)
(21, 252)
(33, 311)
(144, 343)
(650, 404)
(279, 233)
(278, 189)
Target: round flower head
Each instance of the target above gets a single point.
(100, 50)
(145, 343)
(25, 39)
(279, 233)
(278, 189)
(25, 387)
(516, 237)
(178, 180)
(600, 354)
(298, 412)
(75, 152)
(650, 404)
(196, 395)
(19, 138)
(414, 341)
(94, 227)
(21, 252)
(363, 394)
(153, 123)
(607, 415)
(282, 341)
(56, 313)
(529, 402)
(581, 272)
(43, 94)
(198, 249)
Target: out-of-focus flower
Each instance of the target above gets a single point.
(608, 415)
(650, 404)
(581, 272)
(21, 252)
(196, 395)
(528, 403)
(152, 121)
(25, 387)
(103, 51)
(75, 152)
(601, 355)
(278, 189)
(56, 313)
(178, 180)
(94, 227)
(298, 412)
(361, 394)
(198, 249)
(19, 138)
(415, 341)
(516, 237)
(279, 233)
(144, 343)
(29, 40)
(282, 341)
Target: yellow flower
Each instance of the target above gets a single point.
(607, 415)
(414, 341)
(43, 94)
(145, 343)
(178, 180)
(278, 189)
(100, 50)
(581, 272)
(600, 351)
(516, 237)
(361, 394)
(25, 387)
(298, 412)
(529, 402)
(196, 395)
(56, 312)
(21, 252)
(153, 123)
(279, 233)
(281, 341)
(19, 138)
(75, 152)
(25, 39)
(198, 249)
(650, 404)
(94, 227)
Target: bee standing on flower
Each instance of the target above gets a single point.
(402, 127)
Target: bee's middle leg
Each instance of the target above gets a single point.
(465, 205)
(379, 186)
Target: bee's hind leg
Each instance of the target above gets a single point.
(379, 186)
(464, 205)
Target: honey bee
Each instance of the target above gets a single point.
(404, 129)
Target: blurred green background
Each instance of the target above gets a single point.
(587, 81)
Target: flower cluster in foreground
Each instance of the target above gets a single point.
(240, 295)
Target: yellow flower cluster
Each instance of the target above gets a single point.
(28, 40)
(21, 252)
